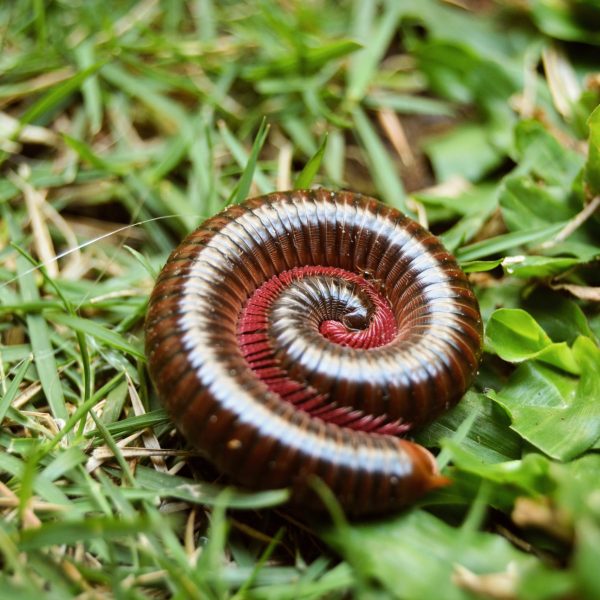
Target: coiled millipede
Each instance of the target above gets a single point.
(297, 334)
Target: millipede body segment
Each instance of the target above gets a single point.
(299, 333)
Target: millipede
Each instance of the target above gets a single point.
(300, 334)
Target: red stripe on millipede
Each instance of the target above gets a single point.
(256, 347)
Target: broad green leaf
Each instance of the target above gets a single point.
(469, 200)
(461, 74)
(476, 204)
(545, 582)
(541, 267)
(414, 555)
(578, 486)
(562, 319)
(587, 557)
(530, 475)
(488, 438)
(585, 250)
(578, 483)
(485, 38)
(465, 151)
(542, 155)
(478, 266)
(515, 336)
(568, 20)
(526, 204)
(555, 412)
(463, 231)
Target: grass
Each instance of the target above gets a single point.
(125, 124)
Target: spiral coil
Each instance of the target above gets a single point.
(297, 334)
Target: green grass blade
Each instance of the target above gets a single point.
(13, 388)
(308, 173)
(52, 98)
(96, 331)
(506, 241)
(387, 181)
(240, 192)
(39, 335)
(90, 88)
(365, 64)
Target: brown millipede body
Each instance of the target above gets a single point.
(299, 333)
